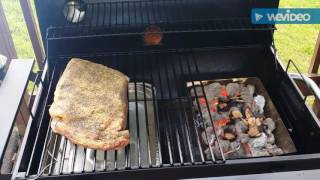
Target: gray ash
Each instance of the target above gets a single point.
(237, 112)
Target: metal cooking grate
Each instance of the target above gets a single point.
(61, 156)
(132, 17)
(161, 120)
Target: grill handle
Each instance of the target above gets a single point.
(309, 82)
(312, 86)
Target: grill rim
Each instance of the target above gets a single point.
(239, 167)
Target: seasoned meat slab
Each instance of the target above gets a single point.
(90, 106)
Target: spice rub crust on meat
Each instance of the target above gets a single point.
(90, 106)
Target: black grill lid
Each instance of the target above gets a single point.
(72, 19)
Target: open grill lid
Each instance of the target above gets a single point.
(120, 25)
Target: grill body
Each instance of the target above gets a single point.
(204, 46)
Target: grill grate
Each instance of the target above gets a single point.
(160, 120)
(132, 17)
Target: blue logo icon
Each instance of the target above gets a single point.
(285, 16)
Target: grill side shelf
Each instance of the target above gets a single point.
(12, 95)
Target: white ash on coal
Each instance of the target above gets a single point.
(234, 113)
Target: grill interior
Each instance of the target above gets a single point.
(160, 100)
(176, 138)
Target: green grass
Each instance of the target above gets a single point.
(18, 29)
(297, 42)
(294, 42)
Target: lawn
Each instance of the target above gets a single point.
(18, 28)
(294, 42)
(297, 42)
